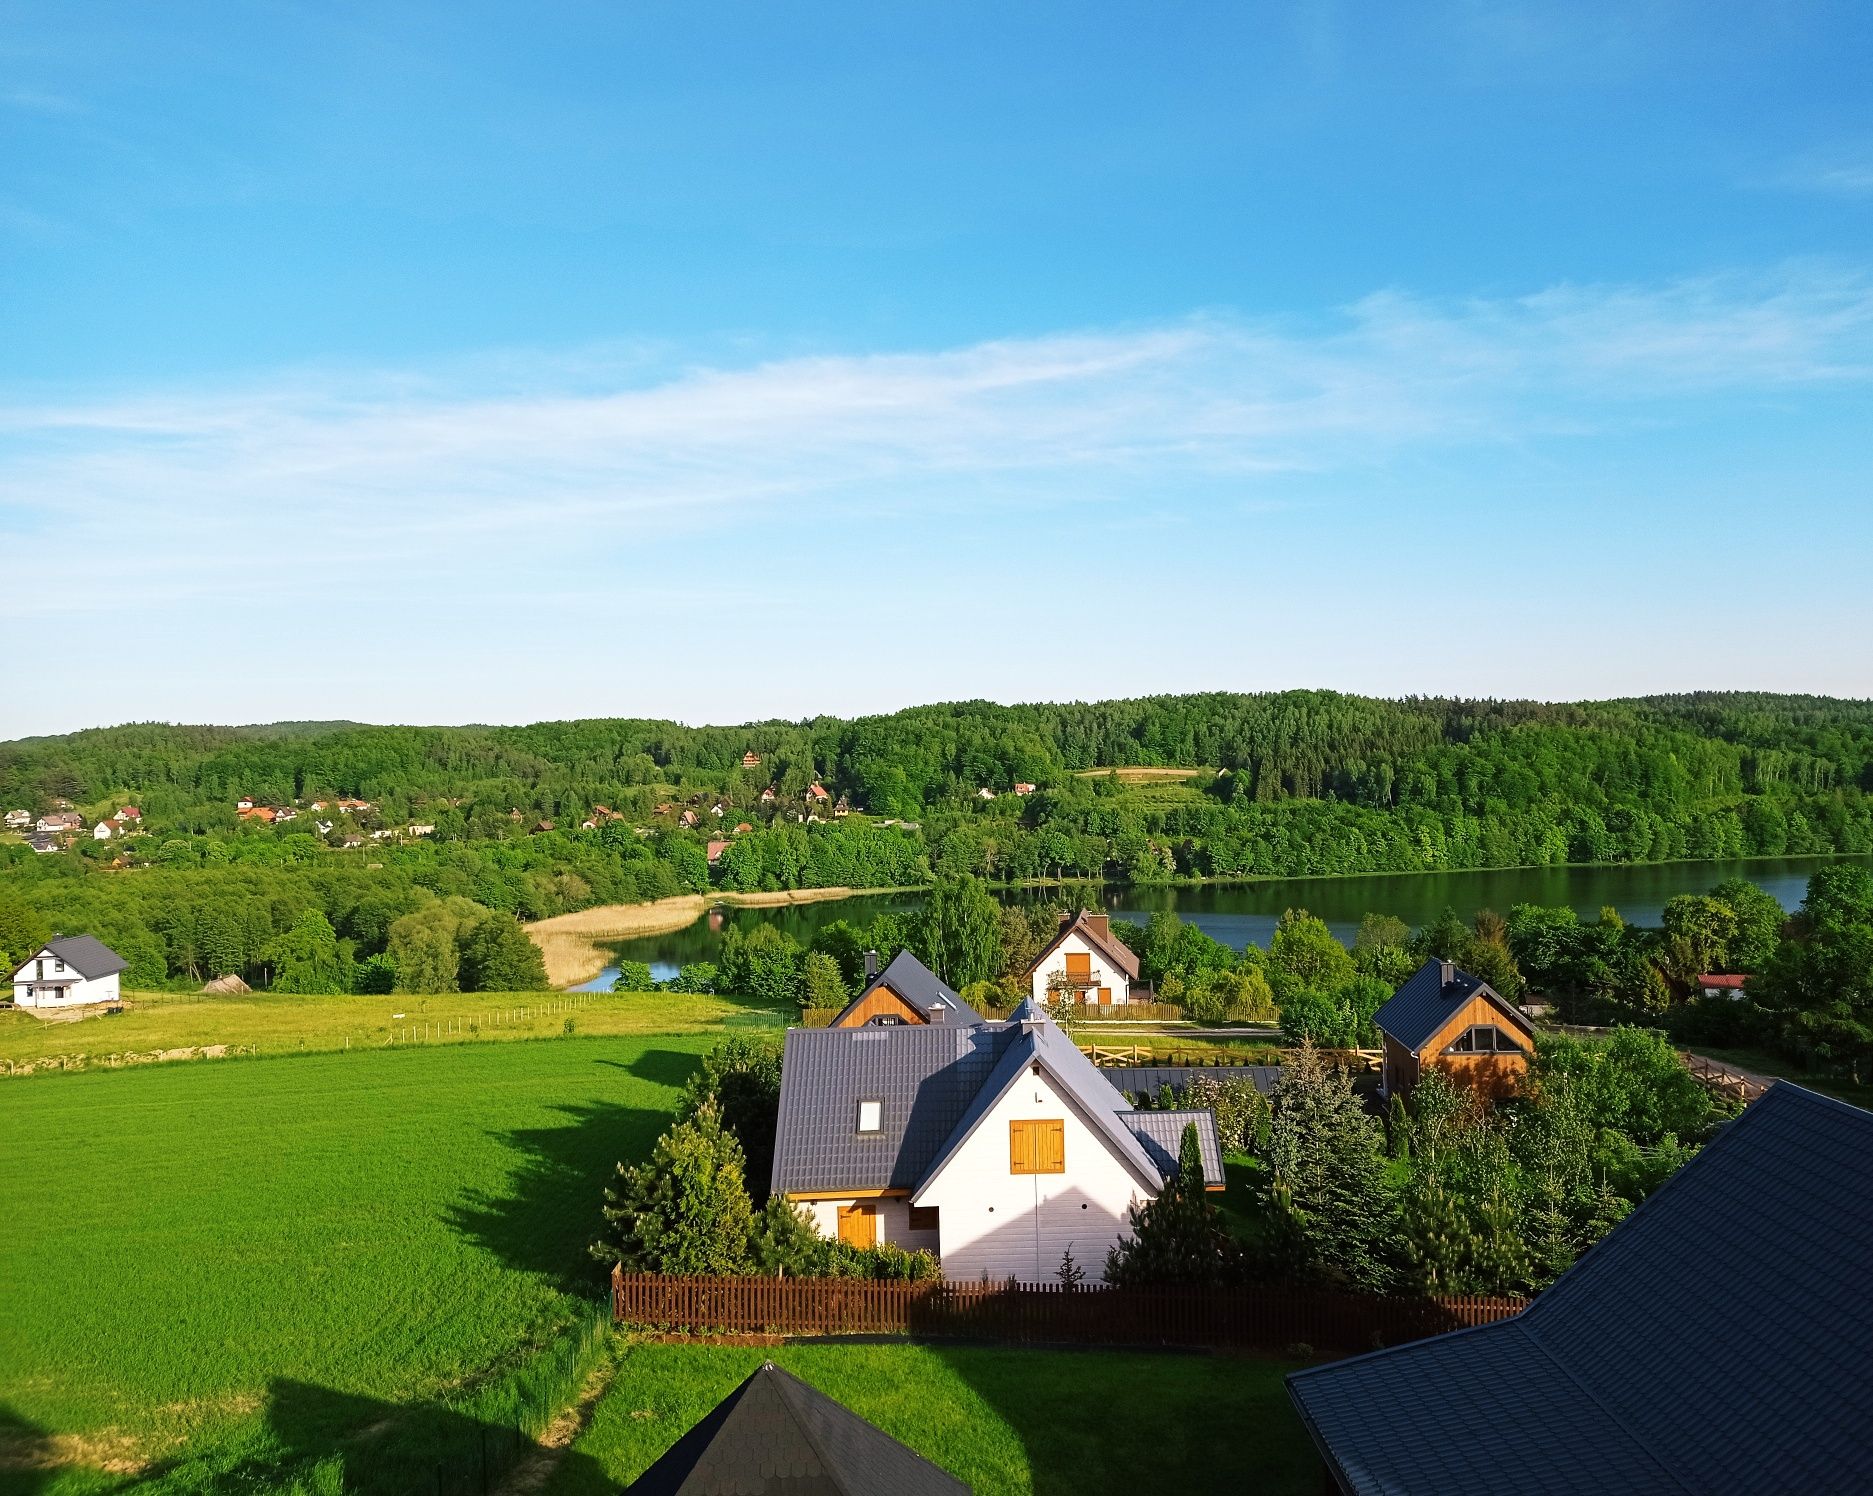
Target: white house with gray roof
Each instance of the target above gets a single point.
(998, 1146)
(68, 972)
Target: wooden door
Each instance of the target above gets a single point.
(1105, 997)
(858, 1224)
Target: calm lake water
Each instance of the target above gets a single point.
(1241, 914)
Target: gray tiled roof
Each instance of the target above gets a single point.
(934, 1085)
(1719, 1339)
(776, 1434)
(926, 1076)
(1423, 1005)
(1162, 1133)
(919, 986)
(87, 955)
(1144, 1080)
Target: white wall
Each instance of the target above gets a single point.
(1002, 1225)
(1105, 974)
(79, 992)
(893, 1222)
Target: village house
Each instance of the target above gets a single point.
(1024, 789)
(985, 793)
(751, 760)
(1722, 984)
(316, 805)
(102, 831)
(767, 795)
(1446, 1019)
(742, 828)
(818, 793)
(715, 851)
(42, 843)
(688, 818)
(18, 820)
(127, 815)
(1715, 1340)
(60, 822)
(264, 813)
(68, 971)
(354, 807)
(246, 802)
(325, 827)
(774, 1434)
(285, 813)
(906, 991)
(997, 1146)
(1086, 961)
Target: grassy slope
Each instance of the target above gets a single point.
(283, 1022)
(1005, 1421)
(219, 1259)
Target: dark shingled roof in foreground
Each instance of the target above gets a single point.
(1719, 1339)
(776, 1436)
(90, 957)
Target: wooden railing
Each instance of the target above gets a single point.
(1722, 1080)
(1275, 1318)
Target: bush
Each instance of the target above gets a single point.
(633, 976)
(740, 1081)
(697, 976)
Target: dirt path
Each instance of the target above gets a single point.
(532, 1473)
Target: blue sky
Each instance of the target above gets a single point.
(493, 363)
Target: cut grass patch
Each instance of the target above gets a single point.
(1009, 1422)
(282, 1022)
(217, 1268)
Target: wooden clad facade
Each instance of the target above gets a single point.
(880, 1002)
(1494, 1073)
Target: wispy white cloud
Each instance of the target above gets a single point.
(412, 475)
(1840, 173)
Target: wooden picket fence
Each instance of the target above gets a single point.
(1272, 1318)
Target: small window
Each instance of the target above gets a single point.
(1484, 1038)
(870, 1116)
(923, 1218)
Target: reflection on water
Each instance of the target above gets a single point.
(1240, 914)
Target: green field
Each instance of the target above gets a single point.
(287, 1023)
(352, 1271)
(1008, 1422)
(228, 1267)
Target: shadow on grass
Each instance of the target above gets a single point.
(320, 1440)
(26, 1455)
(547, 1213)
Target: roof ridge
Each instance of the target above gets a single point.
(784, 1386)
(1519, 1323)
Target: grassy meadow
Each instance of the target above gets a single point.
(283, 1023)
(1008, 1422)
(220, 1276)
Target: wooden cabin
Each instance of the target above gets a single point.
(905, 992)
(1447, 1019)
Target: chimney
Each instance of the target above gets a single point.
(871, 965)
(1449, 972)
(1099, 924)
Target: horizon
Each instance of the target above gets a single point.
(735, 365)
(344, 724)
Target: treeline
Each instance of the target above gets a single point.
(1286, 784)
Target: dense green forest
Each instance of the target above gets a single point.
(532, 821)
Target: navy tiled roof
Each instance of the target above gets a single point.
(1719, 1339)
(1423, 1005)
(775, 1434)
(926, 992)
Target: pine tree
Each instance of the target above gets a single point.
(685, 1209)
(1178, 1237)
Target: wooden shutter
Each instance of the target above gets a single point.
(1037, 1147)
(1079, 966)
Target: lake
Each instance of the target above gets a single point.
(1241, 914)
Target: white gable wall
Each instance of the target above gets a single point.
(1105, 974)
(1000, 1225)
(45, 981)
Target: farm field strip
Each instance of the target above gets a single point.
(193, 1247)
(278, 1023)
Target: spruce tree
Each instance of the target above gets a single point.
(1179, 1237)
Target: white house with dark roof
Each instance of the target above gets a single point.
(998, 1146)
(1086, 960)
(68, 972)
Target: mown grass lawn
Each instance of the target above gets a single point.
(212, 1268)
(288, 1023)
(1008, 1422)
